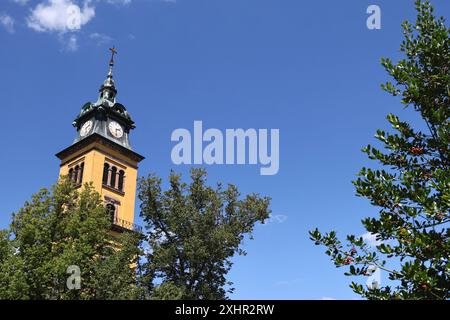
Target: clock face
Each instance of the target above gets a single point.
(86, 128)
(115, 129)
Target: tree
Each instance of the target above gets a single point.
(413, 191)
(193, 231)
(59, 229)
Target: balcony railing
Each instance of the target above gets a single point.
(127, 225)
(119, 191)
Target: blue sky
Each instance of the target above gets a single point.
(308, 68)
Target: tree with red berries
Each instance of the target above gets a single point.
(413, 191)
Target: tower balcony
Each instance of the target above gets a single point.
(123, 225)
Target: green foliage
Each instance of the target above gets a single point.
(168, 291)
(413, 192)
(58, 229)
(115, 276)
(193, 231)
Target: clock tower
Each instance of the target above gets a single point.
(101, 153)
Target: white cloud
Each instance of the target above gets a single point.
(100, 38)
(70, 43)
(60, 16)
(122, 2)
(21, 2)
(277, 218)
(7, 22)
(371, 239)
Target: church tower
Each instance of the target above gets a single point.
(101, 153)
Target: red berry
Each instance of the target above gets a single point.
(427, 175)
(348, 260)
(416, 150)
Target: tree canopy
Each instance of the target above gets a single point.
(56, 231)
(412, 192)
(193, 232)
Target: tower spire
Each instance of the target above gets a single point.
(108, 89)
(111, 61)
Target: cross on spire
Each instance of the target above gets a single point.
(113, 52)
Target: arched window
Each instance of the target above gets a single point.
(113, 177)
(75, 174)
(121, 177)
(111, 209)
(105, 173)
(70, 173)
(80, 176)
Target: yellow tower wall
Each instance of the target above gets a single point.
(94, 157)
